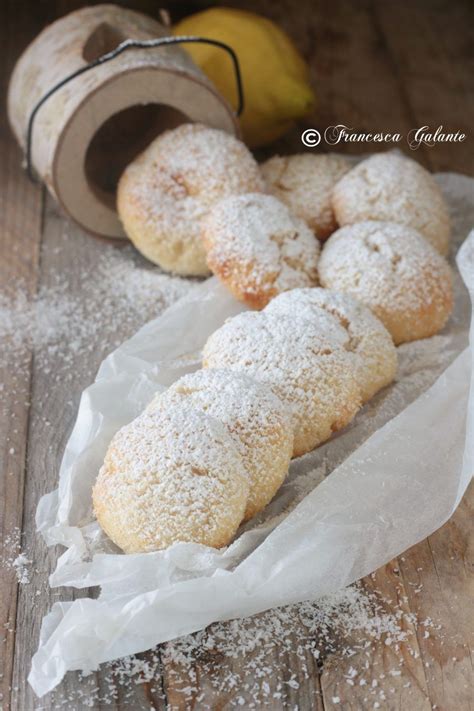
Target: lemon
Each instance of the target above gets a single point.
(275, 76)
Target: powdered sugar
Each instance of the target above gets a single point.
(171, 475)
(304, 182)
(258, 248)
(389, 186)
(113, 296)
(380, 261)
(14, 558)
(164, 194)
(394, 271)
(306, 370)
(21, 566)
(255, 656)
(368, 341)
(256, 419)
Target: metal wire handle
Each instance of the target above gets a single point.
(123, 47)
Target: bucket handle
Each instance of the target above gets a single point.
(123, 47)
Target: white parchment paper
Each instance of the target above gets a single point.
(380, 486)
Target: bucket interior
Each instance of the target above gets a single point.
(120, 139)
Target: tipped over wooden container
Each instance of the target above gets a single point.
(90, 129)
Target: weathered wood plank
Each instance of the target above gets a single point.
(59, 376)
(439, 580)
(383, 673)
(433, 60)
(277, 676)
(54, 404)
(435, 67)
(51, 419)
(20, 233)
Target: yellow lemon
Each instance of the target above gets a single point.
(275, 76)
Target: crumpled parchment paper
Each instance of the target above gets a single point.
(397, 473)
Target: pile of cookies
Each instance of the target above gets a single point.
(276, 382)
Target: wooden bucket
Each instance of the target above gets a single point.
(88, 131)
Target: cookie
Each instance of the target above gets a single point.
(394, 271)
(392, 188)
(312, 376)
(258, 249)
(255, 418)
(304, 182)
(365, 337)
(169, 476)
(164, 194)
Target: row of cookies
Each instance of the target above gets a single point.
(213, 449)
(166, 193)
(196, 200)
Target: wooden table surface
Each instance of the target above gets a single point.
(377, 65)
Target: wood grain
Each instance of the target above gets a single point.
(389, 672)
(20, 234)
(439, 582)
(353, 74)
(434, 68)
(54, 400)
(291, 680)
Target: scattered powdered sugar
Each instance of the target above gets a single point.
(265, 660)
(70, 316)
(13, 558)
(259, 657)
(11, 548)
(21, 565)
(258, 248)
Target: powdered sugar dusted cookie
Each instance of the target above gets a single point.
(395, 272)
(366, 338)
(165, 192)
(391, 187)
(255, 418)
(304, 182)
(258, 249)
(172, 475)
(311, 374)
